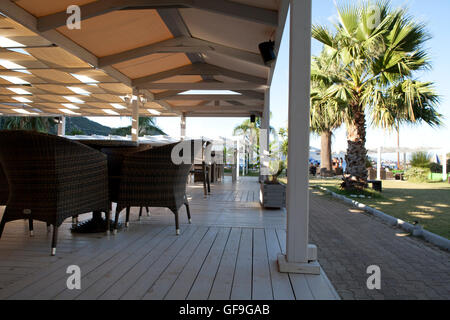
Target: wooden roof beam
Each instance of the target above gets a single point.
(185, 45)
(101, 7)
(202, 69)
(203, 86)
(208, 97)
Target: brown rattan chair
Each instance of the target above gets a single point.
(151, 179)
(4, 189)
(202, 167)
(51, 178)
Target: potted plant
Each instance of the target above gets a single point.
(272, 191)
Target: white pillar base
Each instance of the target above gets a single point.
(312, 267)
(284, 266)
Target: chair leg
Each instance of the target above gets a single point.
(108, 221)
(140, 213)
(48, 227)
(30, 227)
(188, 212)
(208, 176)
(55, 239)
(177, 222)
(116, 222)
(148, 211)
(2, 224)
(127, 221)
(204, 179)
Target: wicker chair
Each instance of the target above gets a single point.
(202, 167)
(51, 178)
(151, 179)
(4, 189)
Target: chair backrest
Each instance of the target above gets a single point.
(153, 174)
(4, 188)
(28, 160)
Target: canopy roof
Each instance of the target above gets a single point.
(162, 49)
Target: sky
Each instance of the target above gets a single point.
(435, 13)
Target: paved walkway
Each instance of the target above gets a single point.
(350, 240)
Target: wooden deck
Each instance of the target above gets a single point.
(229, 252)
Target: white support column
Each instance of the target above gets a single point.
(183, 126)
(379, 164)
(135, 116)
(238, 156)
(444, 165)
(62, 126)
(300, 256)
(264, 139)
(234, 171)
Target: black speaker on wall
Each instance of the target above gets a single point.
(252, 118)
(267, 50)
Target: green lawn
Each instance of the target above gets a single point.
(427, 203)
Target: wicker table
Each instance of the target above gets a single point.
(97, 223)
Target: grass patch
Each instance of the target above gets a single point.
(427, 203)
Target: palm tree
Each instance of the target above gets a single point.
(147, 126)
(325, 114)
(376, 52)
(41, 124)
(251, 130)
(411, 102)
(247, 129)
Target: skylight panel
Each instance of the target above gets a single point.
(73, 99)
(111, 112)
(22, 99)
(19, 91)
(154, 112)
(5, 43)
(70, 106)
(79, 90)
(10, 65)
(84, 79)
(67, 111)
(14, 80)
(118, 106)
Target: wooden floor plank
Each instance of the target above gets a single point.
(105, 277)
(301, 287)
(319, 287)
(33, 284)
(221, 289)
(282, 289)
(183, 284)
(165, 281)
(242, 283)
(141, 277)
(229, 252)
(203, 283)
(91, 270)
(262, 286)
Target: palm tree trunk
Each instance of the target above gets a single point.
(325, 151)
(356, 177)
(398, 146)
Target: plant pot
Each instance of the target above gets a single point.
(272, 195)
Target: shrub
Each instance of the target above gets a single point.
(416, 174)
(435, 168)
(420, 160)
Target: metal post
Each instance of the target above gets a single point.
(300, 256)
(135, 116)
(62, 126)
(379, 164)
(183, 126)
